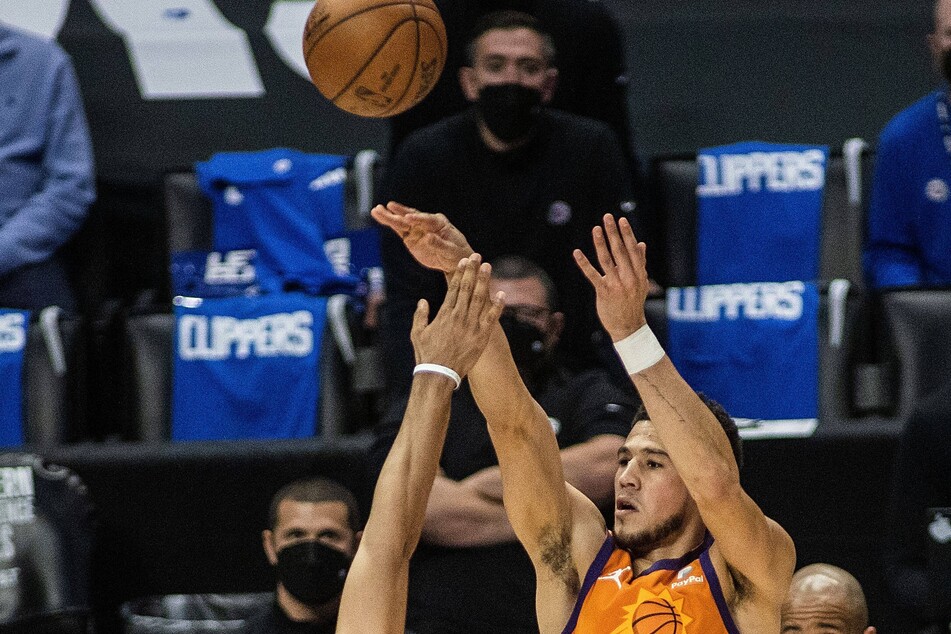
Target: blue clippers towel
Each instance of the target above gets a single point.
(759, 212)
(13, 326)
(247, 367)
(284, 204)
(752, 347)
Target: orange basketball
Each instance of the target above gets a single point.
(374, 58)
(657, 616)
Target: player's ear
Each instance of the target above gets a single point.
(267, 539)
(550, 84)
(467, 81)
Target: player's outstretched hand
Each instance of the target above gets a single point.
(460, 331)
(622, 288)
(431, 238)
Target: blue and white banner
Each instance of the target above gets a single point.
(751, 347)
(247, 367)
(283, 204)
(13, 326)
(759, 212)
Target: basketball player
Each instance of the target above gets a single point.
(374, 597)
(690, 550)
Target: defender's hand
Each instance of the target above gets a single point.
(430, 238)
(623, 287)
(461, 329)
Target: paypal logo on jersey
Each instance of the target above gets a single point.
(758, 301)
(781, 172)
(220, 337)
(12, 331)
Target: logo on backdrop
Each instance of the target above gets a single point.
(220, 337)
(936, 190)
(734, 174)
(766, 300)
(12, 332)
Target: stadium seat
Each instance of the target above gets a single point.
(149, 344)
(843, 216)
(916, 326)
(54, 376)
(45, 548)
(188, 212)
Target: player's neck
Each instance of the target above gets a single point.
(689, 539)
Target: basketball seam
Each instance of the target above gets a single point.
(358, 13)
(442, 54)
(372, 56)
(409, 80)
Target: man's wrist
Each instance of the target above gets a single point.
(438, 370)
(639, 350)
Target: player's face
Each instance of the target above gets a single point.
(651, 501)
(325, 522)
(511, 56)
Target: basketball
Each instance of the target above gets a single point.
(657, 617)
(374, 58)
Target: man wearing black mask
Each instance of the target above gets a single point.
(312, 536)
(469, 574)
(515, 176)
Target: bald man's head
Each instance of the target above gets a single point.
(823, 598)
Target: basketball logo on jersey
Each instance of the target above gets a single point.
(655, 613)
(936, 190)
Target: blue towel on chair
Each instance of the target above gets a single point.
(247, 367)
(752, 347)
(13, 327)
(759, 212)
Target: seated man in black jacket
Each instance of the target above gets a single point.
(466, 528)
(312, 536)
(515, 176)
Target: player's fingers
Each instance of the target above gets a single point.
(480, 294)
(587, 268)
(634, 254)
(452, 292)
(601, 250)
(420, 319)
(399, 208)
(621, 257)
(491, 316)
(385, 217)
(467, 284)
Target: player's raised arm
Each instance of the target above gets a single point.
(560, 528)
(374, 597)
(758, 554)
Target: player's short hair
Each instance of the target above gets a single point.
(726, 422)
(517, 267)
(315, 490)
(509, 20)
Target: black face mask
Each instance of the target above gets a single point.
(528, 346)
(510, 111)
(946, 64)
(312, 572)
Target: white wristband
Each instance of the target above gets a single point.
(435, 368)
(639, 350)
